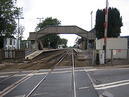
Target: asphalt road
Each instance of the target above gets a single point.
(111, 82)
(89, 82)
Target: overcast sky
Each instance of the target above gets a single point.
(69, 12)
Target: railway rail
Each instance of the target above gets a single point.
(73, 73)
(70, 81)
(23, 79)
(45, 78)
(41, 81)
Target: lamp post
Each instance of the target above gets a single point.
(18, 42)
(105, 31)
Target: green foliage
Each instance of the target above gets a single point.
(114, 23)
(8, 13)
(63, 42)
(48, 22)
(51, 40)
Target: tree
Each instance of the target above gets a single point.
(114, 23)
(48, 22)
(49, 40)
(8, 13)
(63, 42)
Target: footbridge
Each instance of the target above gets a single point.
(33, 36)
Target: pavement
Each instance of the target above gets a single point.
(38, 52)
(89, 82)
(34, 54)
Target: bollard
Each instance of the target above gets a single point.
(97, 58)
(111, 56)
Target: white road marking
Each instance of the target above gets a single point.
(20, 96)
(107, 85)
(101, 69)
(39, 94)
(83, 88)
(112, 86)
(4, 76)
(14, 72)
(93, 69)
(42, 70)
(9, 72)
(112, 83)
(14, 85)
(40, 73)
(56, 72)
(16, 75)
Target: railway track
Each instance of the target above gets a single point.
(44, 59)
(65, 80)
(73, 73)
(52, 68)
(28, 76)
(66, 55)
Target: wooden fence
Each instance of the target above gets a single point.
(12, 54)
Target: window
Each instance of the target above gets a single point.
(10, 41)
(14, 42)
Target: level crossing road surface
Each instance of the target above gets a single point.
(89, 82)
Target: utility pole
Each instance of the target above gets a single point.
(105, 31)
(92, 37)
(91, 20)
(18, 28)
